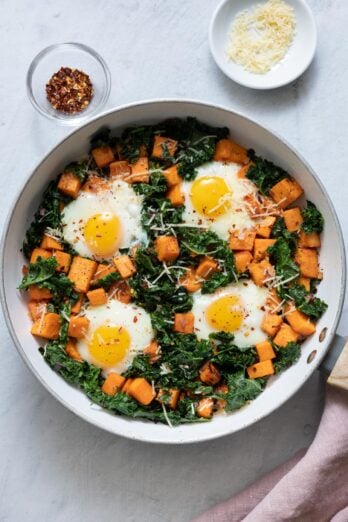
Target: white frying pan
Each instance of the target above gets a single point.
(280, 388)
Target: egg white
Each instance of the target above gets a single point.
(237, 216)
(120, 200)
(253, 301)
(133, 318)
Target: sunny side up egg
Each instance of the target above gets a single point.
(237, 308)
(116, 334)
(215, 199)
(98, 224)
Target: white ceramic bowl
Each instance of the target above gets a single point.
(249, 134)
(296, 61)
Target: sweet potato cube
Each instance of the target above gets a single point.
(121, 291)
(227, 150)
(119, 169)
(126, 386)
(264, 228)
(50, 243)
(207, 267)
(63, 260)
(39, 252)
(261, 271)
(265, 351)
(273, 300)
(221, 403)
(293, 219)
(307, 260)
(306, 282)
(141, 390)
(167, 248)
(76, 307)
(311, 240)
(95, 184)
(205, 408)
(172, 176)
(97, 297)
(261, 246)
(152, 351)
(242, 260)
(72, 351)
(139, 171)
(285, 335)
(102, 271)
(175, 196)
(81, 273)
(69, 184)
(113, 383)
(125, 266)
(286, 192)
(260, 369)
(103, 156)
(209, 374)
(271, 324)
(184, 322)
(47, 327)
(37, 309)
(299, 322)
(78, 327)
(38, 294)
(190, 281)
(163, 146)
(242, 239)
(172, 397)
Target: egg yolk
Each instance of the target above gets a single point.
(102, 234)
(210, 196)
(225, 314)
(109, 344)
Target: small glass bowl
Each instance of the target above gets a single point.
(74, 55)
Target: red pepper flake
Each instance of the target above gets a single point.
(69, 90)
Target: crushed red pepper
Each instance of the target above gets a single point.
(69, 90)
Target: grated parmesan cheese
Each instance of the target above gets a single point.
(260, 37)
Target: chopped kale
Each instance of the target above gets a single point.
(241, 390)
(264, 173)
(281, 257)
(228, 356)
(313, 220)
(304, 301)
(287, 356)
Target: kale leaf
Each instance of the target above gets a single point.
(281, 257)
(133, 139)
(313, 220)
(304, 301)
(241, 390)
(264, 173)
(228, 356)
(287, 356)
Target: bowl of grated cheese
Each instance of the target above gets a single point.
(263, 44)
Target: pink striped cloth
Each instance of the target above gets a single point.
(311, 487)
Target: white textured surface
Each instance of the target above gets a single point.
(53, 466)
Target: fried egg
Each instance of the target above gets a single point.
(238, 308)
(116, 334)
(215, 199)
(98, 224)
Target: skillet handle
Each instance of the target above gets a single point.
(335, 365)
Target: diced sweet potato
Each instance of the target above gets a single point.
(261, 271)
(207, 267)
(209, 374)
(102, 271)
(242, 260)
(119, 169)
(273, 300)
(227, 150)
(141, 390)
(242, 239)
(50, 243)
(69, 184)
(260, 248)
(76, 308)
(163, 146)
(72, 351)
(307, 260)
(121, 291)
(286, 192)
(78, 327)
(37, 309)
(176, 196)
(95, 184)
(205, 408)
(293, 219)
(125, 266)
(172, 176)
(63, 260)
(38, 294)
(47, 327)
(264, 228)
(285, 335)
(39, 252)
(167, 248)
(81, 273)
(299, 322)
(184, 322)
(221, 403)
(172, 397)
(126, 386)
(311, 240)
(153, 351)
(103, 156)
(97, 297)
(113, 383)
(190, 281)
(271, 324)
(260, 369)
(265, 351)
(306, 282)
(139, 171)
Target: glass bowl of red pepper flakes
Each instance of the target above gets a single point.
(68, 82)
